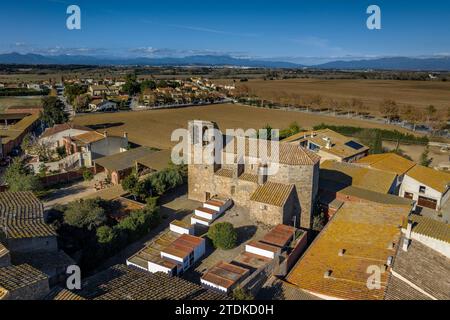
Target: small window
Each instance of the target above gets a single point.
(422, 189)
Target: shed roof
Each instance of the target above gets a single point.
(124, 160)
(225, 274)
(272, 193)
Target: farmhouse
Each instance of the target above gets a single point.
(283, 197)
(54, 137)
(429, 187)
(93, 145)
(330, 145)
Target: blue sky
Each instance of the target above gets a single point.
(300, 31)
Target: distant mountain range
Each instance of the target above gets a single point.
(395, 63)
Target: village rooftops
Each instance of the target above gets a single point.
(331, 142)
(358, 236)
(389, 162)
(352, 192)
(88, 137)
(279, 236)
(17, 277)
(342, 175)
(60, 294)
(129, 283)
(20, 206)
(429, 227)
(424, 274)
(225, 275)
(272, 193)
(63, 127)
(438, 180)
(269, 151)
(183, 246)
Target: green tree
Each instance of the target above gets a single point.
(223, 235)
(131, 185)
(105, 235)
(425, 159)
(20, 178)
(85, 214)
(54, 111)
(241, 294)
(294, 128)
(131, 86)
(88, 175)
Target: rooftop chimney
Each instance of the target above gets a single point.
(407, 238)
(105, 133)
(327, 274)
(341, 252)
(125, 135)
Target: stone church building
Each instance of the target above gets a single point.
(286, 195)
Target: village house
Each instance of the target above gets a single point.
(54, 137)
(100, 105)
(28, 238)
(330, 145)
(98, 90)
(22, 282)
(93, 145)
(389, 162)
(361, 236)
(421, 269)
(428, 187)
(284, 197)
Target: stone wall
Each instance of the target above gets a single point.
(48, 244)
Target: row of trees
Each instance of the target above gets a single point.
(388, 108)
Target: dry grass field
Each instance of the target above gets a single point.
(154, 128)
(419, 94)
(6, 102)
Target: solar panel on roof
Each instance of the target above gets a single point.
(354, 145)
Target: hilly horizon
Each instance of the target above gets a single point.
(390, 63)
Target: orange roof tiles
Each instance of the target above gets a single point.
(366, 233)
(272, 193)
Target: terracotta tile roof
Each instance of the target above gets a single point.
(339, 142)
(399, 290)
(365, 231)
(16, 277)
(281, 290)
(272, 193)
(438, 180)
(430, 227)
(222, 172)
(63, 127)
(251, 261)
(425, 268)
(346, 174)
(43, 260)
(225, 274)
(89, 137)
(287, 153)
(127, 283)
(249, 177)
(61, 294)
(17, 206)
(29, 229)
(389, 162)
(279, 236)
